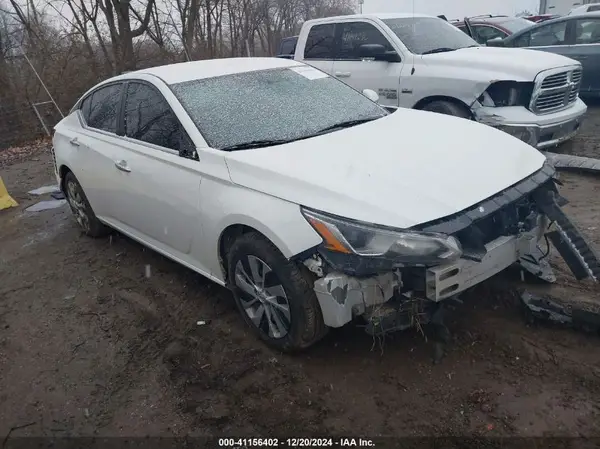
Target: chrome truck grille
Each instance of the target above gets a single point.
(555, 89)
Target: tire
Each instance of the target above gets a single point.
(448, 108)
(80, 206)
(250, 258)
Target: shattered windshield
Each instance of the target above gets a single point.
(272, 106)
(423, 35)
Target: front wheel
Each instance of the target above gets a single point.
(274, 297)
(447, 108)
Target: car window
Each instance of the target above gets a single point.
(355, 34)
(85, 108)
(425, 34)
(149, 118)
(593, 8)
(288, 47)
(587, 31)
(484, 33)
(319, 43)
(463, 28)
(104, 108)
(278, 104)
(547, 35)
(514, 24)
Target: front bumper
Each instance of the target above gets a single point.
(540, 131)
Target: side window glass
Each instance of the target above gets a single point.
(548, 35)
(463, 29)
(486, 33)
(355, 34)
(104, 108)
(85, 108)
(593, 8)
(319, 43)
(522, 41)
(149, 118)
(587, 31)
(288, 47)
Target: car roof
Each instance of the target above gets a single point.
(209, 68)
(380, 16)
(551, 21)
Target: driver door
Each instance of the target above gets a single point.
(381, 76)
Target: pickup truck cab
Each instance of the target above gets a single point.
(423, 62)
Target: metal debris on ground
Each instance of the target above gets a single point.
(44, 190)
(46, 205)
(575, 163)
(549, 310)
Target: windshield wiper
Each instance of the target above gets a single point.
(256, 144)
(346, 124)
(438, 50)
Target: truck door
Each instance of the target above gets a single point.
(365, 73)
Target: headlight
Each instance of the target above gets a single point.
(363, 239)
(507, 93)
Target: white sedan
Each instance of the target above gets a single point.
(305, 197)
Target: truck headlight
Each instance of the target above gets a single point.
(507, 93)
(408, 247)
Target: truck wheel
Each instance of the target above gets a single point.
(448, 108)
(81, 208)
(272, 294)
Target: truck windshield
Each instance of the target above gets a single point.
(275, 106)
(422, 35)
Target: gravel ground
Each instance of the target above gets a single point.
(90, 346)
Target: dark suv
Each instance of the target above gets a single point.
(485, 28)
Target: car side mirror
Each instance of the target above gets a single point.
(378, 53)
(496, 42)
(371, 95)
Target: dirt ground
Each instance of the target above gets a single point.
(91, 346)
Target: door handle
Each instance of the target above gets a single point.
(343, 74)
(122, 165)
(74, 142)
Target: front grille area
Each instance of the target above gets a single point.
(557, 91)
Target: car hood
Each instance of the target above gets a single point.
(515, 62)
(407, 168)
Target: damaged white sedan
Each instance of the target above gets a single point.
(305, 197)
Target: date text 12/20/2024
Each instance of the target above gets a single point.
(295, 442)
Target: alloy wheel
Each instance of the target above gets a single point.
(262, 297)
(77, 204)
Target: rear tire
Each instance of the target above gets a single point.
(273, 295)
(447, 108)
(80, 206)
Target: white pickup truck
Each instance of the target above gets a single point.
(423, 62)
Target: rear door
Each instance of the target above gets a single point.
(156, 173)
(318, 48)
(96, 146)
(586, 49)
(381, 76)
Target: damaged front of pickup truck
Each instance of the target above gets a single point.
(399, 279)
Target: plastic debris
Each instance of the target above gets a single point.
(44, 190)
(202, 322)
(6, 200)
(46, 205)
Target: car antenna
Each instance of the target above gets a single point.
(412, 71)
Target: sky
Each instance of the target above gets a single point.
(452, 9)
